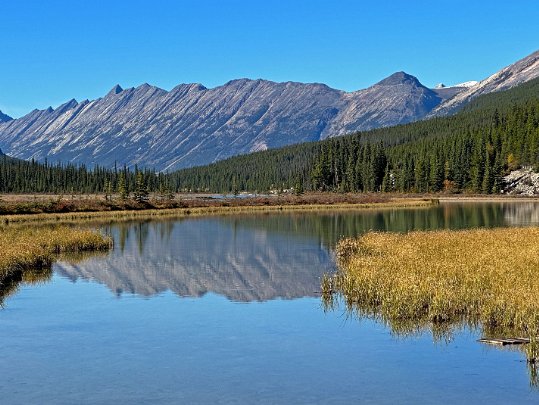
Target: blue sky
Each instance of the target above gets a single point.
(54, 50)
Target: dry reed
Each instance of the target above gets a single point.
(31, 247)
(486, 278)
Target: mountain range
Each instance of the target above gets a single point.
(192, 125)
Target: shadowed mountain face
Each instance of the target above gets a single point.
(192, 125)
(4, 117)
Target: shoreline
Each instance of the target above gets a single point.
(200, 205)
(442, 279)
(127, 215)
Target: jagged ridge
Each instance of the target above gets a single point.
(192, 125)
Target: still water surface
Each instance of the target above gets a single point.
(225, 310)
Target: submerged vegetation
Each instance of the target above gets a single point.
(440, 280)
(30, 249)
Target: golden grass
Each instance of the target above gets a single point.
(27, 248)
(114, 216)
(487, 278)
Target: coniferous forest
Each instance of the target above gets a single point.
(470, 151)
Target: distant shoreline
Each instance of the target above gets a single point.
(223, 207)
(47, 208)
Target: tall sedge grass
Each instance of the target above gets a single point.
(24, 248)
(485, 278)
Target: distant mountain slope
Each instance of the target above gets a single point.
(192, 125)
(520, 72)
(4, 117)
(398, 99)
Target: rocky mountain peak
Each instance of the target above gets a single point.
(187, 87)
(399, 78)
(67, 106)
(115, 90)
(238, 82)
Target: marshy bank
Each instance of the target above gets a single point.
(485, 279)
(13, 204)
(33, 248)
(221, 207)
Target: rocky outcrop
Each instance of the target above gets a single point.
(524, 181)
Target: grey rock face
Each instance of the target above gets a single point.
(4, 117)
(523, 181)
(519, 72)
(398, 99)
(192, 125)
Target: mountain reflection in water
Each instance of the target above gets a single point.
(260, 257)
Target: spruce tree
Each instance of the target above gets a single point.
(122, 187)
(141, 193)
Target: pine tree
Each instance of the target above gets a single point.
(235, 190)
(298, 189)
(122, 187)
(436, 180)
(108, 190)
(386, 181)
(141, 193)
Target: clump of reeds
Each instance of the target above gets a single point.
(28, 248)
(487, 278)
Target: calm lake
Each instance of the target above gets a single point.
(226, 310)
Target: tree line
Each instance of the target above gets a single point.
(20, 176)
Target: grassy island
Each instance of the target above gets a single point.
(486, 278)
